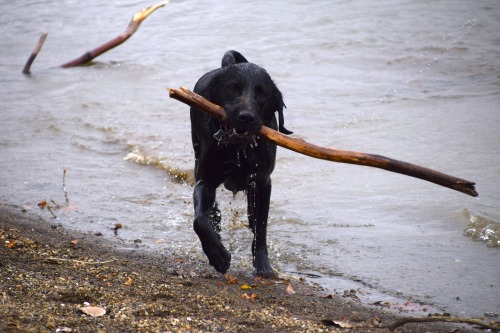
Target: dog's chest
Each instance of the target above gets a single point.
(239, 168)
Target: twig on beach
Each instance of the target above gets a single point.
(51, 212)
(56, 260)
(64, 187)
(44, 204)
(58, 206)
(470, 321)
(129, 31)
(186, 96)
(27, 66)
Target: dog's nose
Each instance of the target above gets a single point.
(246, 116)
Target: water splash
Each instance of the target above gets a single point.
(177, 175)
(254, 143)
(483, 229)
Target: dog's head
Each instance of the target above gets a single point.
(249, 96)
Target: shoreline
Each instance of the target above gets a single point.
(49, 273)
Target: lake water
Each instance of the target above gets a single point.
(418, 81)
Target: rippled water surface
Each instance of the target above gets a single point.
(418, 81)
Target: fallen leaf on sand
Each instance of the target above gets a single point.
(129, 281)
(250, 298)
(12, 244)
(94, 311)
(289, 290)
(231, 279)
(74, 241)
(245, 287)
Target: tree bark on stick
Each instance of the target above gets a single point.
(38, 47)
(129, 31)
(331, 154)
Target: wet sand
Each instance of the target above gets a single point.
(49, 274)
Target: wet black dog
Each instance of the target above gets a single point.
(231, 154)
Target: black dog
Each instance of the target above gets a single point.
(232, 154)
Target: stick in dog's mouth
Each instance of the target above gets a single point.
(184, 95)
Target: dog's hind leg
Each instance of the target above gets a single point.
(204, 200)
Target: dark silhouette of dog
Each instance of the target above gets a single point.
(230, 153)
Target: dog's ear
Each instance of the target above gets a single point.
(232, 57)
(278, 97)
(207, 84)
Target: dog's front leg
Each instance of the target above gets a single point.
(258, 197)
(204, 198)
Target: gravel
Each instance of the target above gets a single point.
(51, 276)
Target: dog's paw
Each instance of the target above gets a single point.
(217, 255)
(263, 267)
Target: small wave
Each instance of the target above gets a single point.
(95, 144)
(368, 225)
(177, 175)
(483, 229)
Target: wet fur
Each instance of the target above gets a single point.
(235, 157)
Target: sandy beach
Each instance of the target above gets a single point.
(52, 276)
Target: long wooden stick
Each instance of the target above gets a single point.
(129, 31)
(336, 155)
(38, 47)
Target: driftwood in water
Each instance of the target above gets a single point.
(38, 47)
(342, 156)
(131, 29)
(88, 56)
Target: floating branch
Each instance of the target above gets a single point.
(88, 56)
(186, 96)
(129, 31)
(38, 47)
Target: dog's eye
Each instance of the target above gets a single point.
(260, 93)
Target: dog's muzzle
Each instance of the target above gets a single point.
(232, 136)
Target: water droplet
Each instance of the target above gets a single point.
(254, 143)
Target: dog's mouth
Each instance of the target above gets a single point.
(238, 132)
(234, 136)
